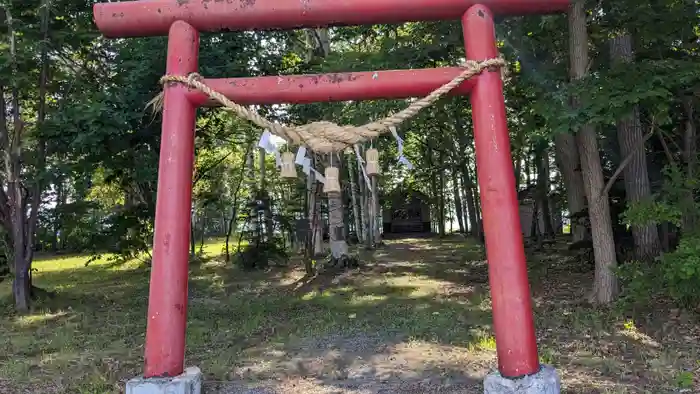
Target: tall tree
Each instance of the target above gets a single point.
(605, 285)
(631, 140)
(20, 200)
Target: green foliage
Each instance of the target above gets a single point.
(676, 275)
(261, 256)
(670, 204)
(126, 234)
(650, 211)
(685, 380)
(640, 282)
(265, 246)
(681, 271)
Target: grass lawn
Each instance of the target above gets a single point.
(416, 319)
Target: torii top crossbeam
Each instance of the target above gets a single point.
(154, 17)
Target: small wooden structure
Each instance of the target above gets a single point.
(526, 206)
(406, 211)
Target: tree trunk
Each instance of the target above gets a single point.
(470, 213)
(268, 219)
(690, 153)
(38, 187)
(58, 217)
(458, 201)
(355, 203)
(250, 178)
(365, 193)
(569, 163)
(465, 205)
(535, 222)
(376, 221)
(15, 214)
(434, 196)
(370, 213)
(318, 43)
(542, 160)
(203, 231)
(317, 222)
(518, 165)
(477, 205)
(229, 231)
(338, 243)
(234, 204)
(635, 173)
(362, 204)
(441, 194)
(193, 235)
(471, 204)
(605, 286)
(528, 167)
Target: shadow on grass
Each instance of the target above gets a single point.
(416, 318)
(89, 338)
(608, 349)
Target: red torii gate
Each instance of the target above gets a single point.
(182, 20)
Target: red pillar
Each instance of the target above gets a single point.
(167, 302)
(510, 291)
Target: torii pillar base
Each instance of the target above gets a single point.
(190, 382)
(545, 381)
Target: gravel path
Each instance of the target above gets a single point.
(363, 364)
(368, 363)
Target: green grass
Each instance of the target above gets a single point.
(91, 332)
(430, 295)
(90, 337)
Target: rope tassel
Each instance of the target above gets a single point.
(328, 137)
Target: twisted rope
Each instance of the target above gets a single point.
(327, 137)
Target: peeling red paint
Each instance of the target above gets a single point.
(516, 342)
(341, 77)
(301, 89)
(143, 18)
(247, 3)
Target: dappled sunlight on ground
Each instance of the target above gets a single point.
(415, 318)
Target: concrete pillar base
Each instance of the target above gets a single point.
(190, 382)
(546, 381)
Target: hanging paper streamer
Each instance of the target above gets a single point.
(270, 147)
(319, 176)
(399, 141)
(301, 155)
(305, 164)
(302, 160)
(361, 164)
(278, 159)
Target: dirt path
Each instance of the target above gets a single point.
(427, 329)
(385, 360)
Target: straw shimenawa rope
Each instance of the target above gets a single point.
(327, 137)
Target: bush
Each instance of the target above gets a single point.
(675, 275)
(640, 282)
(261, 256)
(681, 271)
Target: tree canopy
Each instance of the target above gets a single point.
(81, 149)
